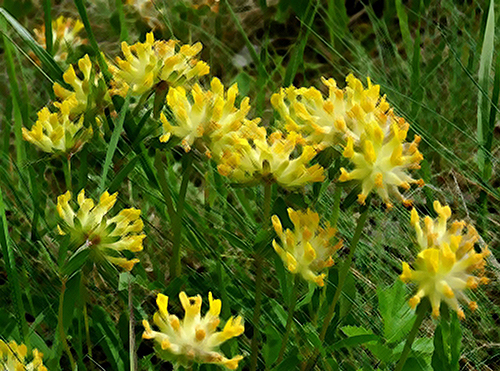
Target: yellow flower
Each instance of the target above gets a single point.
(194, 338)
(64, 37)
(106, 237)
(200, 114)
(146, 64)
(58, 132)
(329, 121)
(381, 158)
(308, 248)
(254, 156)
(85, 91)
(444, 266)
(13, 358)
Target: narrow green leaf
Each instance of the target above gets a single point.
(485, 64)
(403, 26)
(122, 174)
(10, 266)
(50, 66)
(113, 143)
(439, 357)
(47, 16)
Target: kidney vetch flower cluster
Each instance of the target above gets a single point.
(194, 338)
(445, 265)
(14, 357)
(106, 238)
(307, 249)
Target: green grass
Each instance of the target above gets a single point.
(438, 66)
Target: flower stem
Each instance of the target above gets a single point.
(175, 263)
(67, 173)
(258, 264)
(422, 310)
(61, 326)
(131, 325)
(344, 271)
(289, 321)
(175, 213)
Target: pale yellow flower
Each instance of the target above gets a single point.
(208, 115)
(90, 227)
(146, 64)
(65, 37)
(255, 156)
(444, 266)
(194, 338)
(58, 132)
(329, 121)
(381, 159)
(14, 357)
(308, 249)
(85, 90)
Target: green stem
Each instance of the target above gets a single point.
(422, 310)
(258, 264)
(131, 325)
(84, 293)
(67, 173)
(258, 261)
(289, 321)
(62, 335)
(121, 18)
(175, 263)
(344, 271)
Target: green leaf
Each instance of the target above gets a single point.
(71, 298)
(439, 357)
(485, 64)
(397, 315)
(50, 66)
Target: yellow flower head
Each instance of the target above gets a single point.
(381, 158)
(107, 237)
(84, 91)
(148, 63)
(328, 121)
(208, 114)
(444, 266)
(13, 357)
(64, 37)
(58, 132)
(308, 248)
(254, 156)
(194, 338)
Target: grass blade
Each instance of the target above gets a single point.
(8, 258)
(50, 66)
(47, 16)
(113, 143)
(485, 64)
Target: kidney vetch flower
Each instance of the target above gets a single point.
(13, 357)
(194, 338)
(308, 248)
(444, 266)
(105, 237)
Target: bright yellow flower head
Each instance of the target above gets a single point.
(84, 91)
(194, 338)
(328, 121)
(308, 248)
(107, 237)
(444, 266)
(64, 37)
(208, 114)
(13, 357)
(58, 132)
(381, 158)
(254, 156)
(148, 63)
